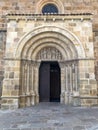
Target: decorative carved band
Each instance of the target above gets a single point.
(49, 53)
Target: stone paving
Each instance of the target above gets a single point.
(50, 116)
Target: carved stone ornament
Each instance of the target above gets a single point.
(49, 53)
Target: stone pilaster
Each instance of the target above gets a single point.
(11, 85)
(88, 85)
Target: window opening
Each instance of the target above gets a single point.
(49, 8)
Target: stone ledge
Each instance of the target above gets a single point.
(10, 97)
(88, 97)
(45, 14)
(53, 17)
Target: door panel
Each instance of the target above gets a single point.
(44, 87)
(54, 83)
(49, 82)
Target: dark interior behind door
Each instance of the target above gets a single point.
(54, 83)
(49, 82)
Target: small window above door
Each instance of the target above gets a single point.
(49, 9)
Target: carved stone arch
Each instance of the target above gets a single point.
(64, 32)
(53, 38)
(64, 54)
(49, 53)
(58, 4)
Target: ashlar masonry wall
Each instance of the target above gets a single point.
(22, 33)
(19, 28)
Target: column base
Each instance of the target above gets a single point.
(27, 100)
(22, 101)
(70, 98)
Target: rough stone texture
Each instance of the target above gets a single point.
(50, 116)
(2, 51)
(28, 6)
(76, 46)
(96, 52)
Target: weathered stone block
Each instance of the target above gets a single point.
(92, 81)
(13, 107)
(11, 75)
(4, 101)
(6, 92)
(86, 75)
(72, 24)
(10, 101)
(16, 87)
(88, 86)
(76, 101)
(84, 81)
(14, 93)
(85, 92)
(4, 107)
(93, 92)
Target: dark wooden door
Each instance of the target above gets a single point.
(44, 82)
(49, 82)
(54, 83)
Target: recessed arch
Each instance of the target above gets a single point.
(67, 48)
(52, 45)
(48, 37)
(38, 34)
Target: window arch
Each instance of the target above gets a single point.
(49, 8)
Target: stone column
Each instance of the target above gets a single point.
(71, 87)
(63, 85)
(22, 89)
(28, 84)
(76, 99)
(36, 83)
(23, 78)
(70, 69)
(27, 92)
(76, 78)
(73, 77)
(30, 77)
(66, 80)
(32, 85)
(66, 84)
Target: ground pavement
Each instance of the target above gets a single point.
(50, 116)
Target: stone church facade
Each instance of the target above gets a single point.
(49, 52)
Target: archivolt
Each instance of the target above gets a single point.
(63, 40)
(63, 45)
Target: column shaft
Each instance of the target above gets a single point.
(28, 79)
(71, 89)
(76, 76)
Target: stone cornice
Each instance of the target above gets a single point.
(53, 17)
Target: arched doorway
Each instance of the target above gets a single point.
(46, 44)
(49, 82)
(49, 51)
